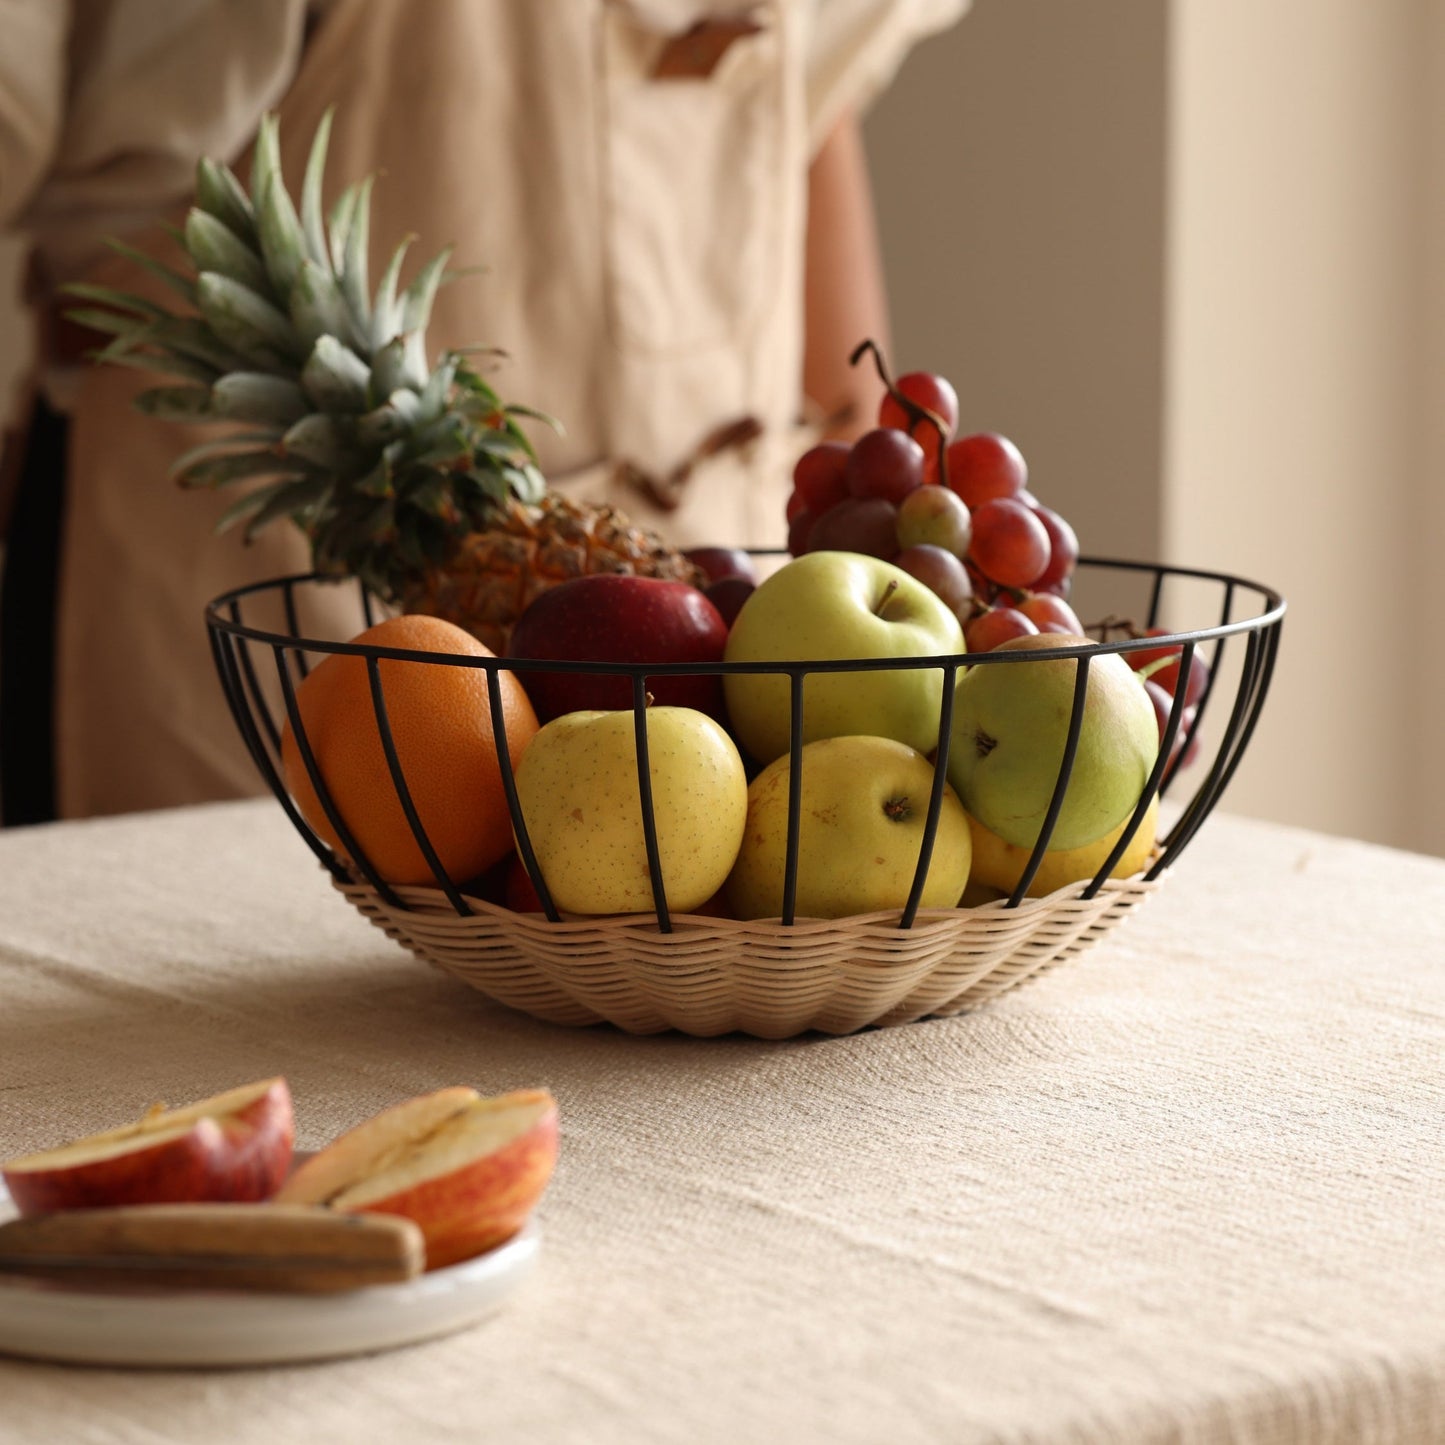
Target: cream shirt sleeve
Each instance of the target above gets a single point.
(105, 106)
(855, 48)
(33, 36)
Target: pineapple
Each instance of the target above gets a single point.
(417, 479)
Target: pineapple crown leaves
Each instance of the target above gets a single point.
(385, 462)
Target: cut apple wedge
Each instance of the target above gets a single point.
(467, 1170)
(233, 1148)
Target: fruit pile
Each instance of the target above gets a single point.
(720, 744)
(955, 512)
(462, 1173)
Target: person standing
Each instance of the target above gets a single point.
(669, 200)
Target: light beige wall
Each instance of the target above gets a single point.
(1294, 439)
(1018, 165)
(1189, 254)
(1427, 782)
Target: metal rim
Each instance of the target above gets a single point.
(233, 641)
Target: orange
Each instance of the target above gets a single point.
(441, 722)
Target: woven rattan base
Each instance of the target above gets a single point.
(715, 976)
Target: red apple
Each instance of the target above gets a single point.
(466, 1170)
(612, 618)
(233, 1148)
(720, 562)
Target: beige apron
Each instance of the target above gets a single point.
(642, 239)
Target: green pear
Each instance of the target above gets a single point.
(865, 803)
(1010, 725)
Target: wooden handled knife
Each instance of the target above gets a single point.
(290, 1248)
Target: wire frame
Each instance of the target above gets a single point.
(260, 669)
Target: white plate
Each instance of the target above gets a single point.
(45, 1321)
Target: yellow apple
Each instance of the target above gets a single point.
(466, 1170)
(578, 787)
(865, 801)
(1000, 865)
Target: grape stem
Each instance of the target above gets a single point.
(1125, 626)
(916, 412)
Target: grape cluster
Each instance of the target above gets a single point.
(954, 512)
(1159, 667)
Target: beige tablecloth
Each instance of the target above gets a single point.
(1188, 1188)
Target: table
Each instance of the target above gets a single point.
(1190, 1187)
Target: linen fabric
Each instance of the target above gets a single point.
(1186, 1188)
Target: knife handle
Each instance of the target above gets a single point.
(281, 1247)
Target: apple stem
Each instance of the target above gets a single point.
(888, 592)
(915, 410)
(649, 699)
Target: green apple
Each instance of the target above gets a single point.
(1010, 724)
(865, 802)
(1000, 865)
(832, 606)
(578, 787)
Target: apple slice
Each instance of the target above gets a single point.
(233, 1148)
(467, 1170)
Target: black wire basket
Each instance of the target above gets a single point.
(782, 976)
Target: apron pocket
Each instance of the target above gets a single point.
(692, 173)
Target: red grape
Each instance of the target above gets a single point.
(1063, 550)
(1190, 735)
(885, 463)
(936, 393)
(985, 466)
(800, 528)
(1140, 658)
(984, 588)
(796, 503)
(819, 475)
(996, 625)
(940, 571)
(719, 562)
(728, 594)
(858, 524)
(1186, 737)
(937, 516)
(1051, 614)
(1168, 676)
(1163, 703)
(1009, 542)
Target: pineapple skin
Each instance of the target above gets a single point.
(526, 548)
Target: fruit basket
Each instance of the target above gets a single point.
(777, 977)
